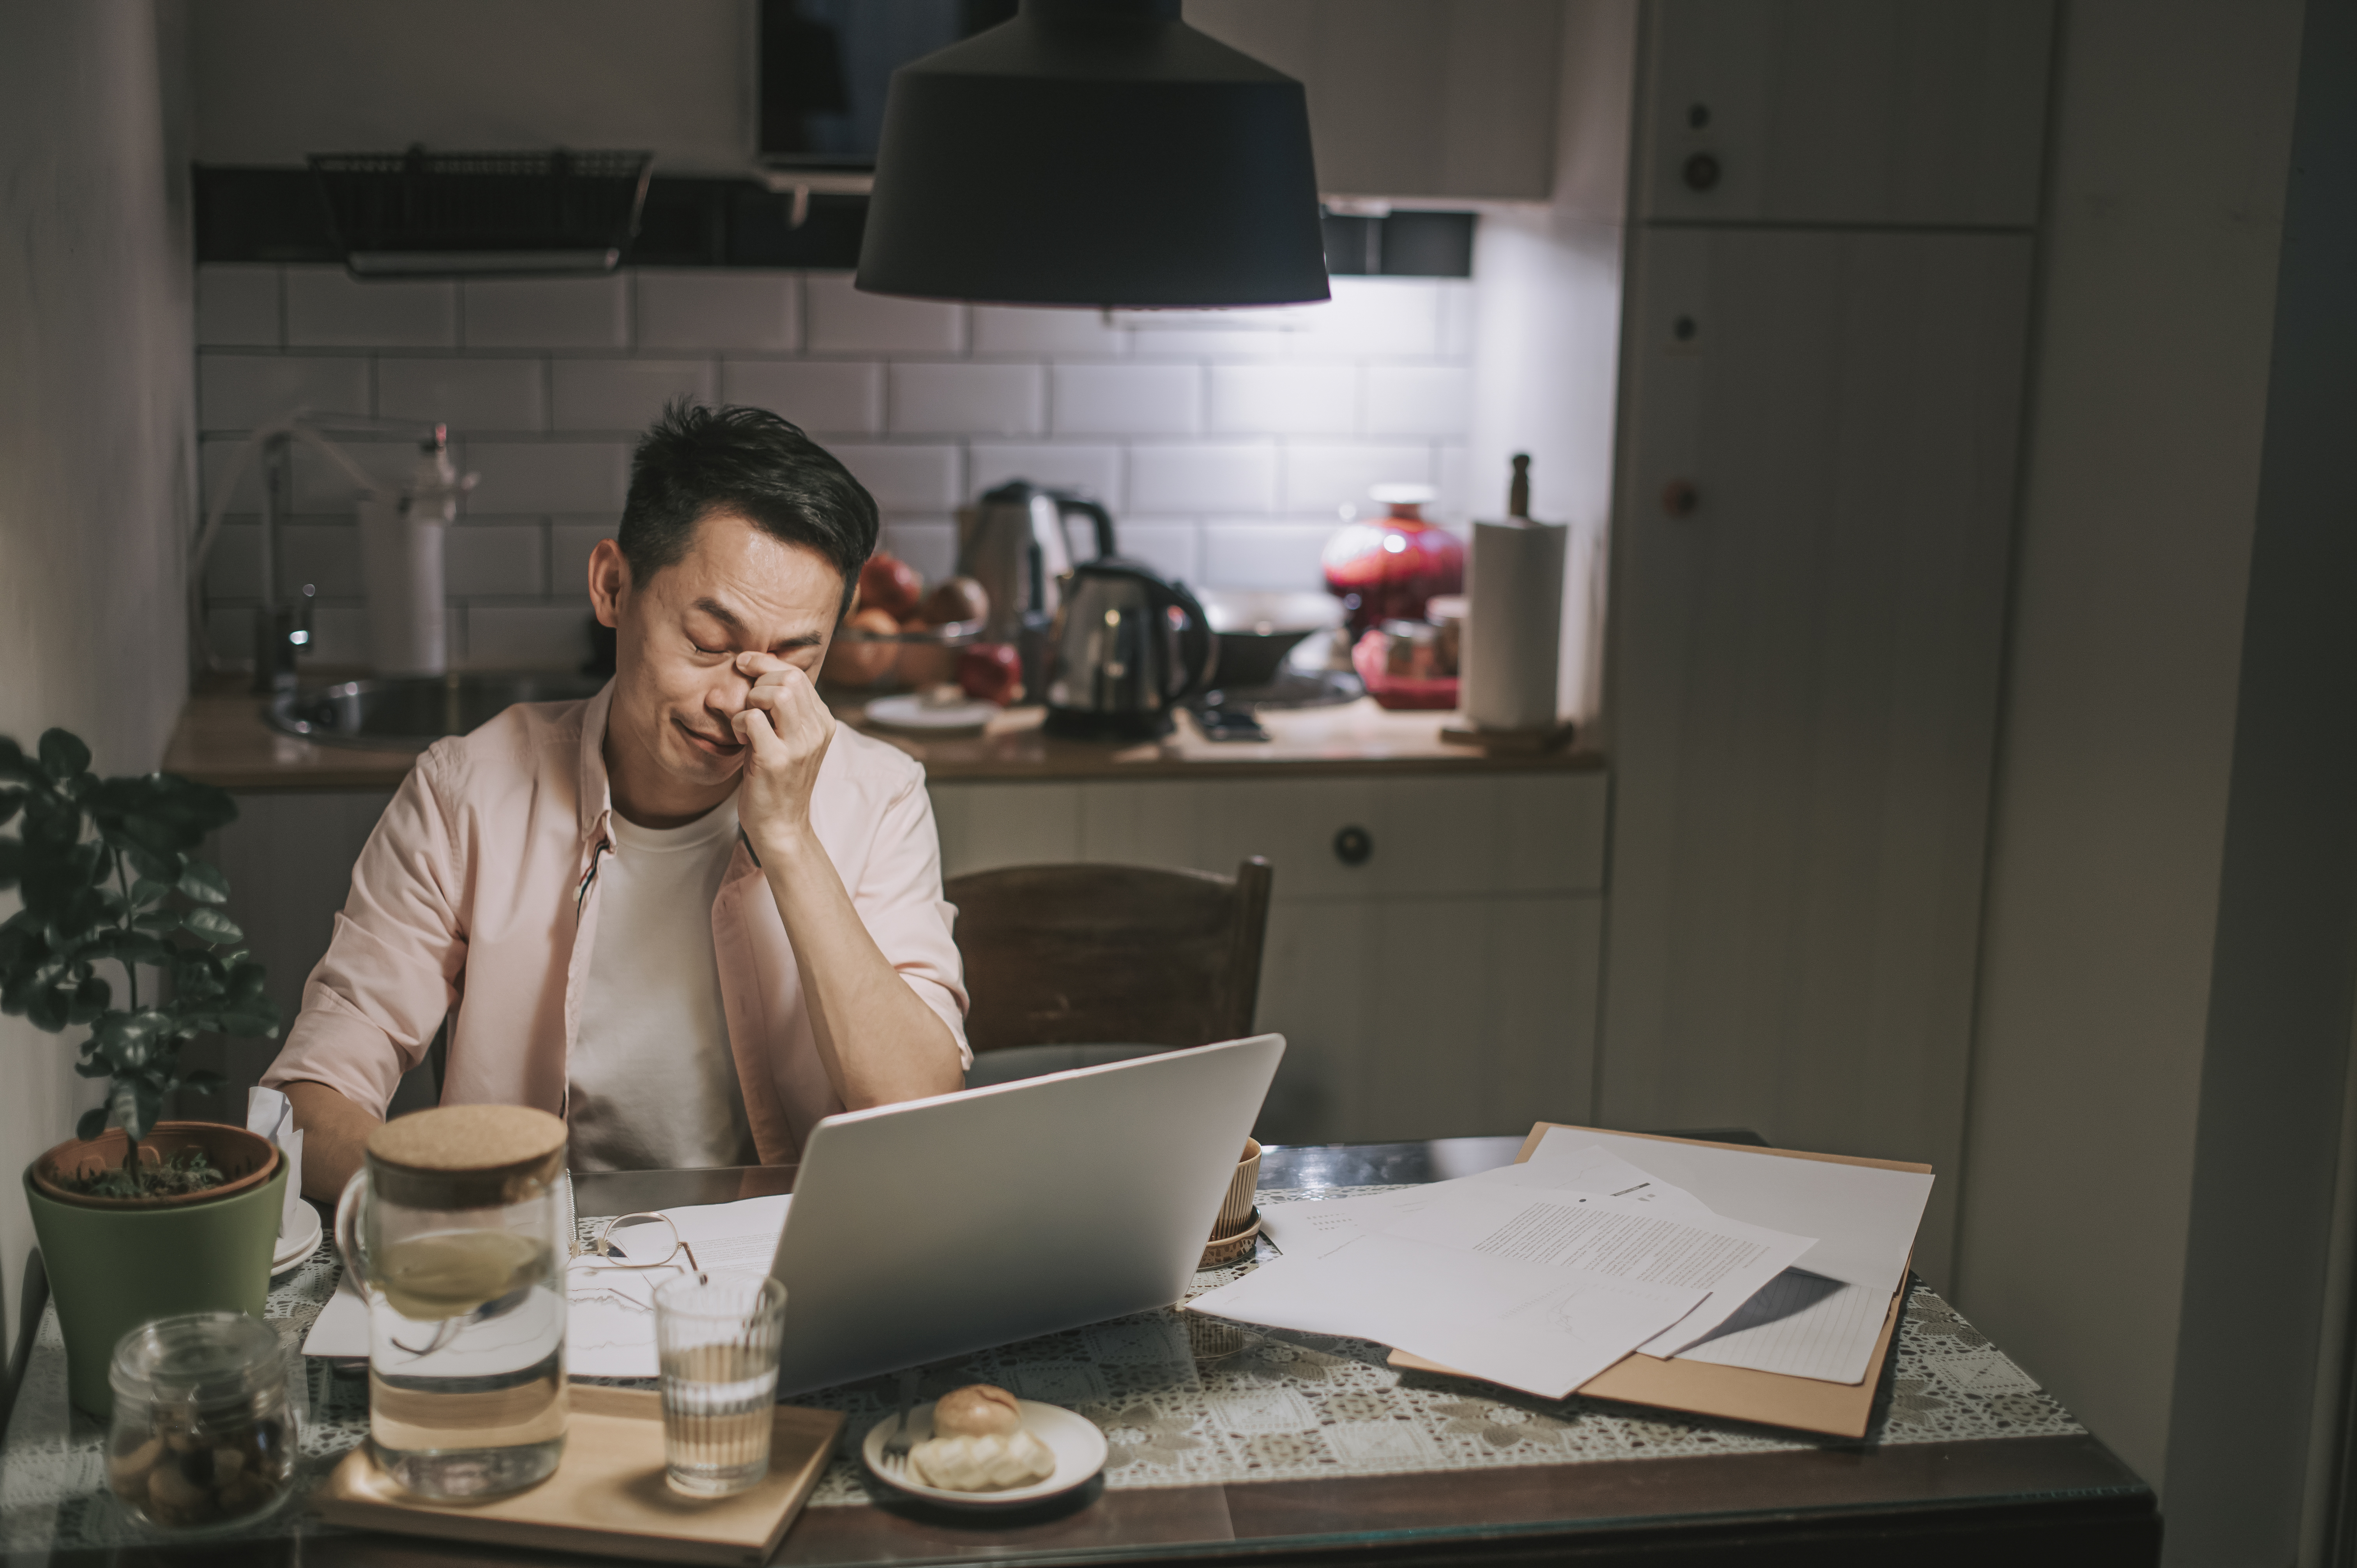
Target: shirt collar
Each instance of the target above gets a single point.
(596, 791)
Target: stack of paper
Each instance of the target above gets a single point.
(1540, 1275)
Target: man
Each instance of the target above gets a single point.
(689, 914)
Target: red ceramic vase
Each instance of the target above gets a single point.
(1386, 568)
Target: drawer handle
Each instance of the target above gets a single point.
(1354, 846)
(1701, 172)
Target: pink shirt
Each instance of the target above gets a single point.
(476, 899)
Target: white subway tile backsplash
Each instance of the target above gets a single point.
(570, 541)
(526, 637)
(481, 559)
(1284, 400)
(464, 394)
(1372, 316)
(237, 304)
(546, 476)
(1455, 318)
(825, 397)
(966, 399)
(845, 321)
(1458, 496)
(710, 308)
(623, 394)
(1128, 400)
(326, 555)
(327, 307)
(928, 543)
(1203, 477)
(1172, 546)
(1022, 330)
(1419, 399)
(1321, 478)
(1209, 344)
(904, 479)
(238, 392)
(1254, 555)
(1092, 470)
(548, 313)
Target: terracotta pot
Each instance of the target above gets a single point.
(245, 1159)
(115, 1263)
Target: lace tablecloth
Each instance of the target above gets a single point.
(1183, 1400)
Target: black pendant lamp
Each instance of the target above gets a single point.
(1094, 153)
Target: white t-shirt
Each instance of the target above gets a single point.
(654, 1085)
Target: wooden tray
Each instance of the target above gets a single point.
(608, 1495)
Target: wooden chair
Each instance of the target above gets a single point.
(1074, 965)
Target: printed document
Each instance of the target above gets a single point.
(1542, 1329)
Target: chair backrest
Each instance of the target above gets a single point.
(1110, 954)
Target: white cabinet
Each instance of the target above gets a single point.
(1432, 99)
(1445, 984)
(1879, 111)
(1804, 681)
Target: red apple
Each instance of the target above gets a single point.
(992, 671)
(889, 583)
(956, 600)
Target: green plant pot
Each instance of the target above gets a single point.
(112, 1268)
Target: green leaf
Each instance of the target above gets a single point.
(63, 755)
(160, 865)
(94, 1066)
(210, 924)
(12, 857)
(204, 882)
(130, 947)
(50, 1008)
(147, 890)
(205, 1080)
(163, 922)
(134, 1106)
(91, 997)
(11, 803)
(92, 1123)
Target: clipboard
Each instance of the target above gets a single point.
(1736, 1393)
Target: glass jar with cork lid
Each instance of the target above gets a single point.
(453, 1230)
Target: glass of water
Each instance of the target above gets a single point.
(717, 1336)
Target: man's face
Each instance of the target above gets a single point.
(676, 684)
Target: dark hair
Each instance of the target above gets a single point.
(695, 461)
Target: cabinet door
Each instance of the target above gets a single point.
(1413, 98)
(1904, 111)
(1805, 682)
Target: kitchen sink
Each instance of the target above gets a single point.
(413, 712)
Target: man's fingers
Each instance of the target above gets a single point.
(752, 726)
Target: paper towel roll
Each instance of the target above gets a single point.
(1514, 625)
(401, 571)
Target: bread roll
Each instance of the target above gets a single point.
(992, 1461)
(977, 1410)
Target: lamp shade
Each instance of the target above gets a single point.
(1094, 153)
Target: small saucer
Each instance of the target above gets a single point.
(1075, 1440)
(299, 1243)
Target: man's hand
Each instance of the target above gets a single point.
(786, 729)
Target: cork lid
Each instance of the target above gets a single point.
(465, 1156)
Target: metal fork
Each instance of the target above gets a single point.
(896, 1446)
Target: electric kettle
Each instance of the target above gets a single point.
(1126, 649)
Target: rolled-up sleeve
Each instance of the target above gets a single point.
(900, 900)
(372, 1005)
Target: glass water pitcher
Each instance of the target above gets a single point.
(454, 1230)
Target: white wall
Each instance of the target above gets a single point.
(2162, 235)
(96, 438)
(1547, 330)
(278, 80)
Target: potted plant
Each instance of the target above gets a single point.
(137, 1218)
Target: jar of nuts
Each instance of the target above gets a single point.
(203, 1435)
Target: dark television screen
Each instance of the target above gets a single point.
(826, 65)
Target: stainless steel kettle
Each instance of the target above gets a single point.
(1014, 545)
(1127, 647)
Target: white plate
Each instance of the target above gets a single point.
(909, 711)
(1072, 1437)
(300, 1243)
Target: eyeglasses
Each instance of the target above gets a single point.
(602, 1249)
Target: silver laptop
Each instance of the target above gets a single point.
(923, 1230)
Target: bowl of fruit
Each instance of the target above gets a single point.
(902, 636)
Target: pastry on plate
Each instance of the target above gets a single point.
(979, 1445)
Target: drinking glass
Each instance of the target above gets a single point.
(716, 1336)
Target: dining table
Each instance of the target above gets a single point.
(1233, 1443)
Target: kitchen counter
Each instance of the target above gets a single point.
(222, 739)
